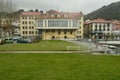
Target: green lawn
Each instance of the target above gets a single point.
(59, 67)
(42, 45)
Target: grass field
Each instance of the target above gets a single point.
(59, 67)
(42, 45)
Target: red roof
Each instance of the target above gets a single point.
(69, 15)
(30, 13)
(52, 12)
(99, 20)
(73, 14)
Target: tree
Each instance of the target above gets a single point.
(21, 10)
(31, 10)
(7, 7)
(36, 10)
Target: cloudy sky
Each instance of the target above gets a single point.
(85, 6)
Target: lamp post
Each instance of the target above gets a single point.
(96, 39)
(96, 36)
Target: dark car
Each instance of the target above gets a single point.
(23, 40)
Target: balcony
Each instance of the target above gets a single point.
(97, 32)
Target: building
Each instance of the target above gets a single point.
(51, 25)
(27, 24)
(98, 29)
(116, 30)
(16, 28)
(5, 28)
(60, 25)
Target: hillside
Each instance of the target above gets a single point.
(108, 12)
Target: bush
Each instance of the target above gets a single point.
(36, 40)
(2, 42)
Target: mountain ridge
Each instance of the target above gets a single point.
(109, 12)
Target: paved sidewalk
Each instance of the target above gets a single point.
(92, 46)
(45, 51)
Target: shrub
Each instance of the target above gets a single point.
(2, 42)
(36, 40)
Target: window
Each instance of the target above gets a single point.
(30, 17)
(29, 22)
(32, 32)
(26, 32)
(96, 25)
(29, 32)
(36, 32)
(23, 32)
(32, 27)
(29, 27)
(75, 23)
(23, 27)
(104, 25)
(26, 27)
(108, 29)
(58, 23)
(100, 27)
(25, 17)
(23, 22)
(40, 23)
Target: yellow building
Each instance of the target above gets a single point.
(60, 25)
(52, 25)
(27, 24)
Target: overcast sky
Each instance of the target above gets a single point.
(86, 6)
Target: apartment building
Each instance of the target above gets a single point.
(60, 25)
(27, 24)
(98, 29)
(16, 28)
(5, 28)
(116, 30)
(51, 25)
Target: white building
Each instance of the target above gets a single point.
(98, 29)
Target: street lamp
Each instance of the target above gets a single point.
(96, 36)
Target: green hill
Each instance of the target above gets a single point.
(108, 12)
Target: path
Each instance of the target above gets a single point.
(92, 46)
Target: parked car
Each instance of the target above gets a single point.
(23, 40)
(9, 40)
